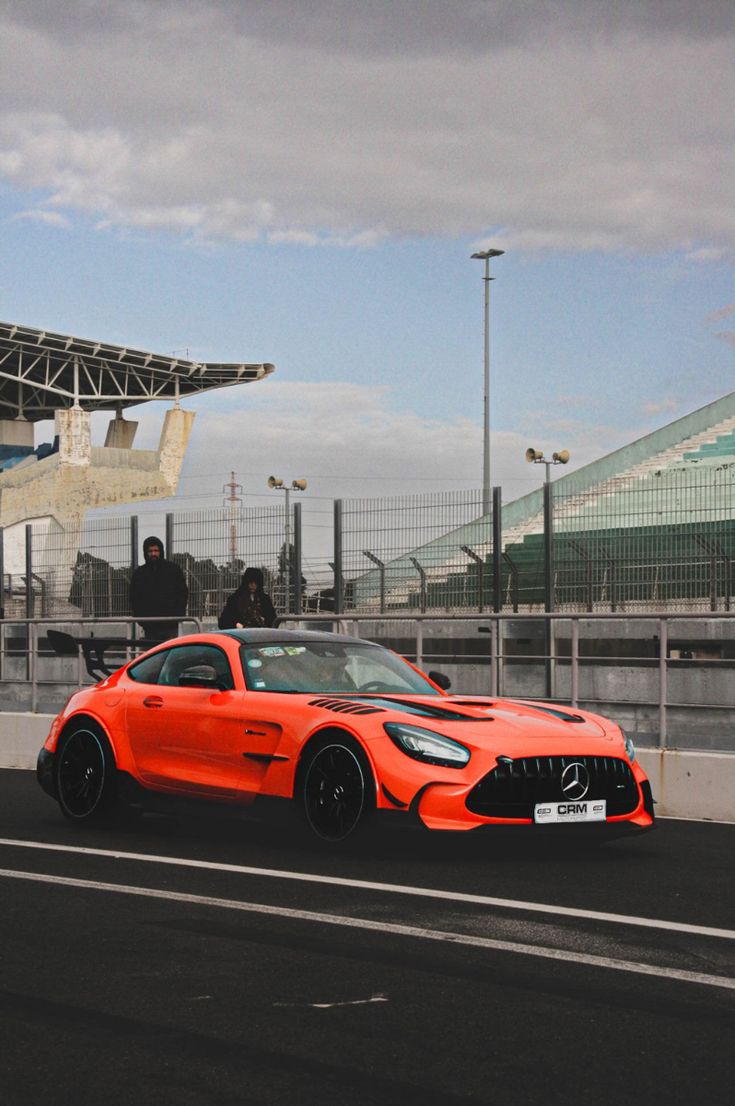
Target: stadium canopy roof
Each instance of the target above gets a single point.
(41, 372)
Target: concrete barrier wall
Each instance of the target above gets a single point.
(696, 785)
(21, 737)
(691, 784)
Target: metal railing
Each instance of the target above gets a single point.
(667, 678)
(28, 660)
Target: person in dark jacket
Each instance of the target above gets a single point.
(249, 605)
(157, 588)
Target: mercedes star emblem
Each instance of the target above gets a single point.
(575, 781)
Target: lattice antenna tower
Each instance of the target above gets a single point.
(232, 502)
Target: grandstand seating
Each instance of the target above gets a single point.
(650, 525)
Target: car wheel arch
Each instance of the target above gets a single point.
(83, 719)
(318, 740)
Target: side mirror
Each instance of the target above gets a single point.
(201, 675)
(441, 680)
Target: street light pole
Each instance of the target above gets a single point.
(485, 255)
(536, 457)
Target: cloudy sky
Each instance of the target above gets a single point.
(304, 183)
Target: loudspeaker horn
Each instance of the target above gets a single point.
(275, 482)
(533, 455)
(299, 485)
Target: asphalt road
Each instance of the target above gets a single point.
(205, 958)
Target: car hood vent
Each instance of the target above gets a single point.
(564, 715)
(344, 706)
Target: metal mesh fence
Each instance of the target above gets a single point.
(215, 547)
(663, 540)
(418, 552)
(80, 570)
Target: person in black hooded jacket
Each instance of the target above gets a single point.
(249, 605)
(157, 588)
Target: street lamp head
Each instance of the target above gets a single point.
(483, 255)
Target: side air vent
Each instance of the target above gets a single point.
(344, 706)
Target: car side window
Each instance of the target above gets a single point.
(189, 656)
(148, 670)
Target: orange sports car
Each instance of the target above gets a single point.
(342, 727)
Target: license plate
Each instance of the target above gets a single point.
(585, 810)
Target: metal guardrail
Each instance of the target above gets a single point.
(562, 664)
(32, 633)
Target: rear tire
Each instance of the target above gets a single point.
(337, 789)
(85, 773)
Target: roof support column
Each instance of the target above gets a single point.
(73, 425)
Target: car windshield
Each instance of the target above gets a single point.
(325, 667)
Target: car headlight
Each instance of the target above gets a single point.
(629, 746)
(425, 745)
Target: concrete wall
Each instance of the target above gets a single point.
(685, 785)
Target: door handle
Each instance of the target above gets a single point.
(153, 701)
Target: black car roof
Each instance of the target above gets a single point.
(257, 635)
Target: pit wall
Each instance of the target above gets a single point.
(698, 785)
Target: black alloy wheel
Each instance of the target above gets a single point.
(335, 791)
(84, 774)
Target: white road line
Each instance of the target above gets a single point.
(331, 1005)
(381, 927)
(388, 888)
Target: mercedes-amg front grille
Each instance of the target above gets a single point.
(514, 787)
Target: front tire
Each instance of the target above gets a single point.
(85, 774)
(337, 790)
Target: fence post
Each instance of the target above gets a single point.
(494, 657)
(728, 582)
(419, 644)
(663, 681)
(169, 535)
(338, 582)
(29, 570)
(574, 691)
(297, 599)
(497, 549)
(513, 582)
(32, 640)
(133, 543)
(422, 578)
(381, 568)
(478, 561)
(548, 584)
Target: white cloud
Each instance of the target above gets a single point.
(353, 440)
(546, 126)
(48, 218)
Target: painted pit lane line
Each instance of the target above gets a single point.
(545, 953)
(387, 888)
